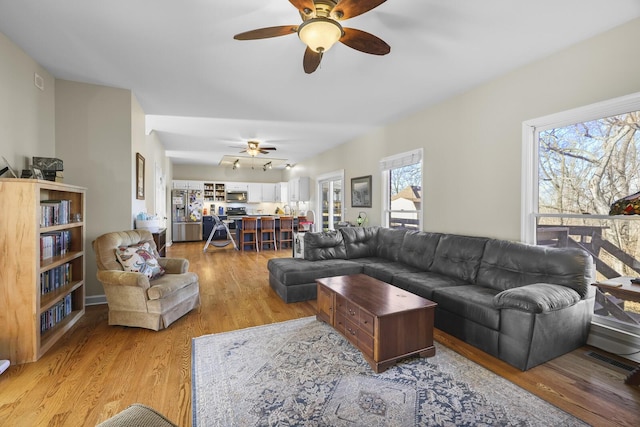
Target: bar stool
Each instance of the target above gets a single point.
(249, 228)
(268, 232)
(301, 219)
(286, 231)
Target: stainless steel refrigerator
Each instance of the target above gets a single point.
(186, 215)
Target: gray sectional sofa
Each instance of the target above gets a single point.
(523, 304)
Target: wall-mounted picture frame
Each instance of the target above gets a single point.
(361, 192)
(139, 176)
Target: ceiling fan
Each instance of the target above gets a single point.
(253, 149)
(320, 29)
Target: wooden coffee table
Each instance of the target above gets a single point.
(384, 322)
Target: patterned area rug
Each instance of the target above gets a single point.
(303, 373)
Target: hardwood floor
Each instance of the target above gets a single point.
(98, 370)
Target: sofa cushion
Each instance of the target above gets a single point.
(423, 283)
(324, 245)
(459, 256)
(385, 271)
(169, 283)
(360, 242)
(419, 248)
(507, 265)
(537, 298)
(472, 302)
(389, 242)
(295, 271)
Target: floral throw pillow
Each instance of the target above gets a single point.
(139, 259)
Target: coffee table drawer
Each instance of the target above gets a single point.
(351, 332)
(366, 322)
(341, 304)
(341, 322)
(365, 343)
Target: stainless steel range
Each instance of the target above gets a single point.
(236, 213)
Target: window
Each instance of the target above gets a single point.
(402, 190)
(331, 194)
(577, 164)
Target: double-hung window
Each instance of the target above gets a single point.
(402, 190)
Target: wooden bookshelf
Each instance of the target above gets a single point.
(34, 316)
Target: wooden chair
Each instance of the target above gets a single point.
(268, 232)
(250, 229)
(285, 235)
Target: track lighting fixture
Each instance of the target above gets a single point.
(236, 164)
(288, 166)
(266, 166)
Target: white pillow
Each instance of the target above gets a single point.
(139, 259)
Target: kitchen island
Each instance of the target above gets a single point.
(238, 226)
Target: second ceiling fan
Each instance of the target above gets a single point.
(253, 149)
(320, 29)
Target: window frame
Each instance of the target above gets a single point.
(530, 158)
(393, 162)
(530, 135)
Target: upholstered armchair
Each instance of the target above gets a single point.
(151, 300)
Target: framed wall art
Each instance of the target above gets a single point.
(361, 192)
(139, 176)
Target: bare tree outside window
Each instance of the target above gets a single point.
(582, 170)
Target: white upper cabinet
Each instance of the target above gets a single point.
(299, 189)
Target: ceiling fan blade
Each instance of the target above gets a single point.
(305, 6)
(264, 152)
(346, 9)
(364, 42)
(268, 148)
(265, 33)
(311, 60)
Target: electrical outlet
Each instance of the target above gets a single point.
(38, 81)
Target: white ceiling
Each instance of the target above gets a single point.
(206, 93)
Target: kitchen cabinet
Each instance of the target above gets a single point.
(209, 192)
(181, 184)
(237, 186)
(214, 192)
(269, 192)
(254, 192)
(299, 190)
(282, 192)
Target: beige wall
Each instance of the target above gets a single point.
(472, 142)
(27, 114)
(93, 134)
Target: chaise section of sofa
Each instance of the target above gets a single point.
(521, 303)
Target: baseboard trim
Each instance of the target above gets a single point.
(95, 300)
(614, 341)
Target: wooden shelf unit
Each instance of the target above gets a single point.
(21, 297)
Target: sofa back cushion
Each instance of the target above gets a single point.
(419, 249)
(390, 242)
(507, 265)
(360, 242)
(324, 245)
(459, 256)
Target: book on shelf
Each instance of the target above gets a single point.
(55, 278)
(56, 314)
(54, 212)
(54, 243)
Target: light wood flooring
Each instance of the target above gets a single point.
(98, 370)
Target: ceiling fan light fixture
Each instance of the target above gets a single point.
(320, 33)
